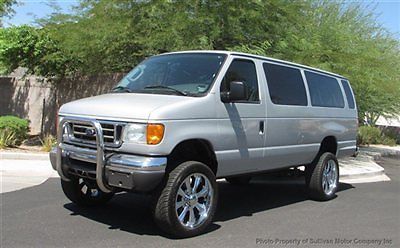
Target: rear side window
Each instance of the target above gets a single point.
(324, 91)
(285, 85)
(243, 71)
(349, 96)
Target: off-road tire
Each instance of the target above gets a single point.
(73, 191)
(164, 201)
(314, 175)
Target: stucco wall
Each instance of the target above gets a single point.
(37, 100)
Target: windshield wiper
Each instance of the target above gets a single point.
(167, 88)
(121, 89)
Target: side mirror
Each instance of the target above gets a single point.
(237, 92)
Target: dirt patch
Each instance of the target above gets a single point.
(32, 145)
(24, 149)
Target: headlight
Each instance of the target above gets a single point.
(135, 133)
(151, 134)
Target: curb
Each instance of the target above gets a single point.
(363, 175)
(365, 166)
(24, 156)
(373, 172)
(378, 152)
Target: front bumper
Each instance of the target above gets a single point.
(109, 169)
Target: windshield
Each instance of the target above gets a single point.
(188, 74)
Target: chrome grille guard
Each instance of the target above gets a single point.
(100, 158)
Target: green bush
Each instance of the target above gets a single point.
(388, 141)
(369, 135)
(392, 133)
(372, 135)
(13, 130)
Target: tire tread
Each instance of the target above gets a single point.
(314, 178)
(163, 213)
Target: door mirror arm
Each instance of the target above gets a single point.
(225, 97)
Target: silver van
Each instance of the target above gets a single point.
(179, 121)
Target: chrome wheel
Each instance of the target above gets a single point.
(329, 177)
(88, 190)
(194, 200)
(84, 192)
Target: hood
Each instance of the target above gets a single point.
(120, 105)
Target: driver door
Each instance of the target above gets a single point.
(241, 124)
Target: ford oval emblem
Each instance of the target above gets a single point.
(90, 132)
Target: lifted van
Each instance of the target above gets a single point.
(179, 121)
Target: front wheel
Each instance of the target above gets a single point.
(323, 177)
(84, 193)
(187, 203)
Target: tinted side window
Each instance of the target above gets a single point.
(285, 85)
(324, 91)
(349, 96)
(243, 71)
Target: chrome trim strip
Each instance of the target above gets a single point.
(348, 148)
(82, 157)
(100, 163)
(268, 148)
(76, 149)
(347, 142)
(60, 131)
(140, 162)
(126, 160)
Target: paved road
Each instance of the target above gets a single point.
(249, 216)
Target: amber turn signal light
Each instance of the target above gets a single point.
(155, 133)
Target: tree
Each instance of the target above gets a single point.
(347, 40)
(6, 9)
(32, 48)
(105, 36)
(114, 35)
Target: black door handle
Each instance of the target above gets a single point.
(261, 127)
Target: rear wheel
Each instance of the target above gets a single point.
(84, 192)
(187, 203)
(323, 177)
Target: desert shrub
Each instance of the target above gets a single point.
(388, 141)
(373, 135)
(369, 135)
(48, 142)
(14, 130)
(392, 132)
(7, 138)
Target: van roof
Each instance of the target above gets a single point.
(259, 57)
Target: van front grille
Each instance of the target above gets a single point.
(83, 133)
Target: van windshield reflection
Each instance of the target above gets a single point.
(186, 74)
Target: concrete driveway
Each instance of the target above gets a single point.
(16, 174)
